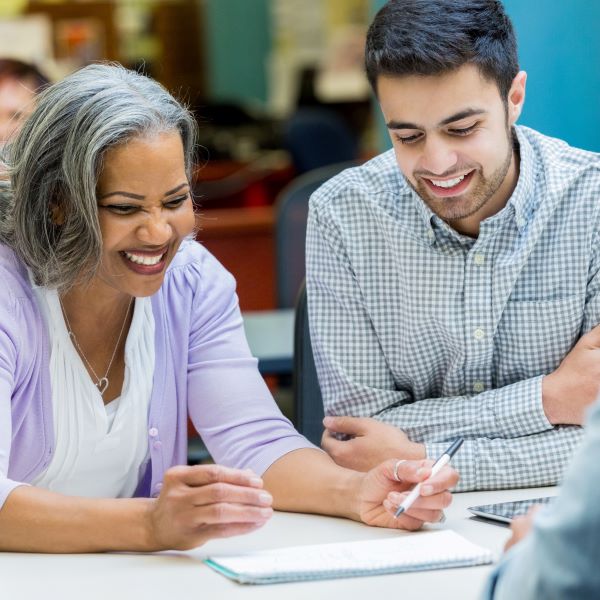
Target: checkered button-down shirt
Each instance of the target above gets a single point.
(441, 334)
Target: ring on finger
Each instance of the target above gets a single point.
(398, 463)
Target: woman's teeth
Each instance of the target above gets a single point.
(143, 259)
(448, 183)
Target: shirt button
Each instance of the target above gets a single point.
(431, 235)
(157, 445)
(158, 487)
(478, 386)
(153, 432)
(479, 334)
(479, 259)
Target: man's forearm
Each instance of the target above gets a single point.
(510, 412)
(530, 461)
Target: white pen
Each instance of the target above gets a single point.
(438, 465)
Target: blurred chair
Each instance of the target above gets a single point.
(317, 137)
(290, 230)
(308, 403)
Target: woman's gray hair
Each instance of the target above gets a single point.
(56, 159)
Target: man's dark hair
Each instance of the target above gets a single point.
(430, 37)
(11, 68)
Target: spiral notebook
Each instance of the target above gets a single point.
(417, 552)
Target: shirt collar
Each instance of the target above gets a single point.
(523, 201)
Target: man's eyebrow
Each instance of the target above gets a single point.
(463, 114)
(138, 196)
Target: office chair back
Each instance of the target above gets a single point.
(308, 402)
(290, 230)
(317, 136)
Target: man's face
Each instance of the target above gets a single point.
(452, 138)
(16, 103)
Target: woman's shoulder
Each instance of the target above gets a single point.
(13, 274)
(195, 269)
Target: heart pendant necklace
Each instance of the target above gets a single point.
(101, 382)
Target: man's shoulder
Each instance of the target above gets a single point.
(563, 165)
(378, 176)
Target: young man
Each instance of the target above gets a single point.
(451, 280)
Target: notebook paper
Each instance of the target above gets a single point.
(421, 551)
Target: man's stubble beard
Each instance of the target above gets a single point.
(459, 207)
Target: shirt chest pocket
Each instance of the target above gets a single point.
(533, 336)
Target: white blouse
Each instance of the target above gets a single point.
(100, 451)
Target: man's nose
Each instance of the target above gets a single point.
(438, 157)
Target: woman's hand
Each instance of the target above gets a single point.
(380, 494)
(203, 502)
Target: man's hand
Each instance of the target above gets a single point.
(371, 442)
(520, 527)
(381, 493)
(574, 385)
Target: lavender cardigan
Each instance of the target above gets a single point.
(203, 368)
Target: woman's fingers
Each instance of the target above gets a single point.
(227, 513)
(435, 502)
(226, 492)
(424, 508)
(230, 529)
(200, 475)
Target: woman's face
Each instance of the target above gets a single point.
(145, 210)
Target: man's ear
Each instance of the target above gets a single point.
(57, 214)
(516, 97)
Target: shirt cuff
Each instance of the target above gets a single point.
(464, 461)
(522, 413)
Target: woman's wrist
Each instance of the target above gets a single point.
(348, 493)
(150, 542)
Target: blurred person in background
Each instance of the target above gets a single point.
(19, 84)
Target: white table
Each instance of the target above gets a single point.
(270, 335)
(182, 576)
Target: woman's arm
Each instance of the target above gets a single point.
(308, 480)
(196, 504)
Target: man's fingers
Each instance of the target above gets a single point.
(347, 425)
(200, 475)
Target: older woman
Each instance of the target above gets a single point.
(115, 326)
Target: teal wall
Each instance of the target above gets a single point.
(559, 47)
(238, 39)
